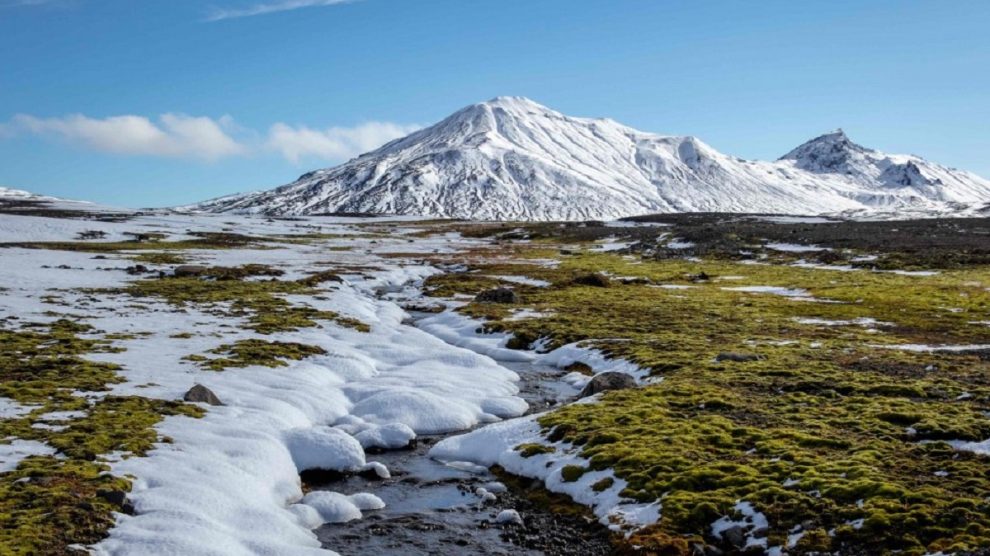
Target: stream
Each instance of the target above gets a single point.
(437, 509)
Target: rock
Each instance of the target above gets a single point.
(424, 307)
(579, 367)
(136, 269)
(498, 295)
(117, 498)
(735, 536)
(700, 277)
(737, 357)
(200, 393)
(509, 517)
(606, 381)
(595, 279)
(189, 270)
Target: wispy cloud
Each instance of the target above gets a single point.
(203, 138)
(335, 143)
(17, 3)
(174, 135)
(218, 14)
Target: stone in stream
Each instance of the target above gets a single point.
(509, 517)
(498, 295)
(609, 380)
(200, 393)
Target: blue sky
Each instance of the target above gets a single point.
(152, 103)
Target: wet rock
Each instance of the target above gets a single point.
(189, 270)
(498, 295)
(606, 381)
(509, 517)
(200, 393)
(136, 269)
(736, 357)
(595, 279)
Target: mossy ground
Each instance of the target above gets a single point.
(826, 429)
(49, 503)
(228, 293)
(245, 353)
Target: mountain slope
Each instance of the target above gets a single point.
(511, 158)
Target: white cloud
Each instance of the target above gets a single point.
(270, 7)
(181, 136)
(335, 143)
(174, 135)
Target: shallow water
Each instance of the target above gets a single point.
(434, 508)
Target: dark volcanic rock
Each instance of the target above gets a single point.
(498, 295)
(200, 393)
(735, 536)
(606, 381)
(189, 270)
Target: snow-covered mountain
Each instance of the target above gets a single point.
(18, 194)
(513, 159)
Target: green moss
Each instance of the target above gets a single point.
(44, 362)
(571, 473)
(823, 429)
(48, 504)
(261, 302)
(123, 424)
(603, 484)
(531, 449)
(246, 353)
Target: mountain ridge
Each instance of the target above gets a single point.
(511, 158)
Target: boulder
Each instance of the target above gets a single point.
(189, 270)
(606, 381)
(200, 393)
(498, 295)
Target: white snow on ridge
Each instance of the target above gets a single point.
(513, 159)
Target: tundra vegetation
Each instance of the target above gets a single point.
(57, 503)
(832, 430)
(840, 437)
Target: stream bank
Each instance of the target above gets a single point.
(435, 508)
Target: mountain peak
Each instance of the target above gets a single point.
(510, 158)
(513, 102)
(831, 152)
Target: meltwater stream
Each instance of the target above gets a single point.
(437, 509)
